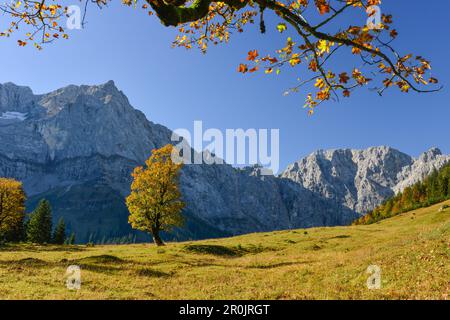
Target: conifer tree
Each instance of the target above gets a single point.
(59, 235)
(39, 228)
(71, 239)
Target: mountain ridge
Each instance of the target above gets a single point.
(361, 179)
(78, 145)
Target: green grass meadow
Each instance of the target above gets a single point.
(412, 250)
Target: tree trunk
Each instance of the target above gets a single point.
(156, 238)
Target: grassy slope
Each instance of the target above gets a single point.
(412, 249)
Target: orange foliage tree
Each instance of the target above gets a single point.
(12, 206)
(155, 202)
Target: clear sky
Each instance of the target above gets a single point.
(174, 87)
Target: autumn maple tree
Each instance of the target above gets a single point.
(155, 202)
(12, 207)
(319, 30)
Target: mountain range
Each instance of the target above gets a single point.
(77, 146)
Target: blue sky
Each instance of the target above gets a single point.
(174, 87)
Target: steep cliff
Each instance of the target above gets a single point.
(77, 146)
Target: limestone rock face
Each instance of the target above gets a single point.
(77, 146)
(421, 167)
(243, 200)
(362, 179)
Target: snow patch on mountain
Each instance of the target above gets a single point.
(11, 115)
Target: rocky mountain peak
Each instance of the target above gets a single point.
(14, 98)
(106, 94)
(430, 155)
(362, 179)
(428, 161)
(80, 145)
(75, 121)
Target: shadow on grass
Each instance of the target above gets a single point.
(202, 264)
(32, 263)
(100, 259)
(106, 269)
(101, 264)
(151, 273)
(342, 236)
(224, 251)
(273, 265)
(39, 248)
(215, 250)
(314, 247)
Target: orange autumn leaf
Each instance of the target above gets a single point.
(373, 2)
(433, 80)
(322, 6)
(252, 55)
(387, 82)
(387, 19)
(354, 30)
(393, 33)
(343, 77)
(356, 50)
(313, 66)
(242, 68)
(272, 60)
